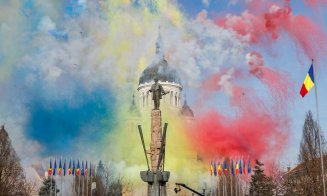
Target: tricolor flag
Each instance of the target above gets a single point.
(90, 173)
(249, 166)
(232, 168)
(244, 168)
(54, 168)
(85, 170)
(240, 165)
(70, 167)
(78, 169)
(215, 168)
(82, 170)
(50, 168)
(59, 168)
(225, 167)
(64, 168)
(237, 169)
(73, 170)
(211, 168)
(219, 168)
(309, 81)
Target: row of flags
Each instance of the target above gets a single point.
(71, 169)
(237, 169)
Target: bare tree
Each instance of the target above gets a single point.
(12, 178)
(306, 178)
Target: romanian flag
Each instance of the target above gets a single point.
(232, 168)
(215, 168)
(64, 168)
(244, 168)
(308, 83)
(50, 168)
(54, 168)
(78, 169)
(225, 168)
(73, 170)
(237, 169)
(60, 168)
(82, 170)
(249, 166)
(211, 168)
(85, 170)
(70, 167)
(219, 168)
(90, 173)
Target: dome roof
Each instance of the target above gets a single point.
(186, 110)
(161, 70)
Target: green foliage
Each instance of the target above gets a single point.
(260, 185)
(48, 187)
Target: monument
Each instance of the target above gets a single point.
(156, 177)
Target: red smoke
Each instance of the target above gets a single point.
(254, 131)
(258, 129)
(270, 25)
(315, 3)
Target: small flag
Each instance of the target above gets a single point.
(215, 168)
(64, 168)
(82, 170)
(308, 82)
(225, 168)
(244, 168)
(70, 167)
(59, 168)
(240, 165)
(74, 169)
(90, 173)
(78, 169)
(236, 167)
(219, 168)
(232, 168)
(54, 168)
(249, 166)
(85, 170)
(211, 168)
(50, 168)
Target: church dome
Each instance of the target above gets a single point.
(159, 69)
(186, 110)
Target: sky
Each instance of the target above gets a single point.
(68, 70)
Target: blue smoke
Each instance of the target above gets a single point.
(59, 125)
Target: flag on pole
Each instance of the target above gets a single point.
(70, 167)
(249, 166)
(225, 168)
(90, 173)
(232, 168)
(82, 170)
(64, 168)
(244, 168)
(236, 167)
(74, 169)
(59, 168)
(85, 170)
(219, 168)
(211, 168)
(215, 168)
(308, 82)
(50, 169)
(78, 169)
(240, 165)
(54, 168)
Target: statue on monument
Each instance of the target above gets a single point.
(157, 92)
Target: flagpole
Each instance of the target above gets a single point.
(317, 110)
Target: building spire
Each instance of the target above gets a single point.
(159, 42)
